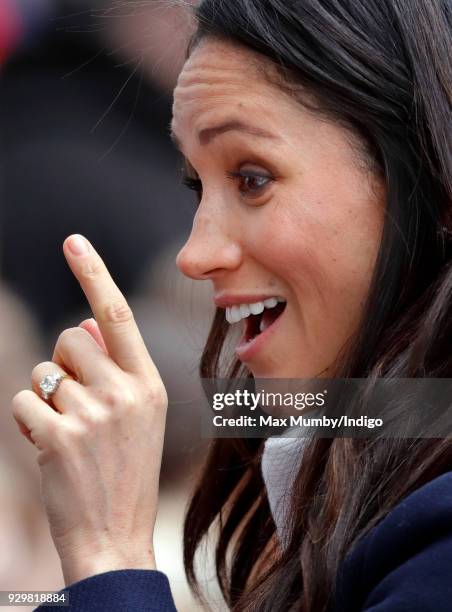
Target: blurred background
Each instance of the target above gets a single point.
(85, 105)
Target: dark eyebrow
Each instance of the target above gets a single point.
(206, 135)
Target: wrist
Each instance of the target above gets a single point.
(89, 564)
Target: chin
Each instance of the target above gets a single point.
(285, 371)
(271, 371)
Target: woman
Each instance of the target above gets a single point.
(317, 135)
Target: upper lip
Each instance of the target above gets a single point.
(225, 300)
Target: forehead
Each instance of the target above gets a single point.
(220, 77)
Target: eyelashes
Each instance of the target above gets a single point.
(250, 184)
(192, 183)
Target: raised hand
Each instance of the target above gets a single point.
(100, 434)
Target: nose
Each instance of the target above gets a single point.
(209, 251)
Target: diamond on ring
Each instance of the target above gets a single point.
(49, 384)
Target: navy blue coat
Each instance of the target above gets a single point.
(404, 564)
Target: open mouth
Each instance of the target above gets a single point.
(256, 324)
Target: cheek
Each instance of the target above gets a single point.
(323, 243)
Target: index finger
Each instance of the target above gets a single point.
(116, 322)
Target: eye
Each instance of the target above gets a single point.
(251, 183)
(193, 184)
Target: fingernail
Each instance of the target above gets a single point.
(78, 245)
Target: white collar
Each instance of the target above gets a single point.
(280, 462)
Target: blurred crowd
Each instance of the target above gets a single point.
(85, 105)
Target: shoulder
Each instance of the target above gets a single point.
(405, 562)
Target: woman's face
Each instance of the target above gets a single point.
(301, 221)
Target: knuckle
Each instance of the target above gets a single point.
(42, 367)
(91, 269)
(19, 400)
(118, 398)
(99, 417)
(118, 311)
(94, 417)
(20, 397)
(67, 336)
(69, 433)
(156, 396)
(111, 397)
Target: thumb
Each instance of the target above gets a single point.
(92, 327)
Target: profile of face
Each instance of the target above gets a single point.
(289, 211)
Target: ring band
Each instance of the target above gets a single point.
(50, 383)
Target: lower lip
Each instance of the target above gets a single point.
(246, 351)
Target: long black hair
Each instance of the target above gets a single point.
(383, 69)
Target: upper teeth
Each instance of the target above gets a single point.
(236, 313)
